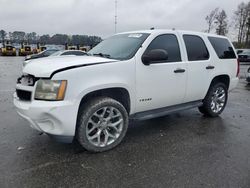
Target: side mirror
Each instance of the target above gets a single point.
(154, 56)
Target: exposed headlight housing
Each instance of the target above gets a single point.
(50, 90)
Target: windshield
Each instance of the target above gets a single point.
(49, 52)
(246, 52)
(122, 46)
(56, 53)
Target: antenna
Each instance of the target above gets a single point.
(115, 16)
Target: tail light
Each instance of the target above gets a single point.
(238, 68)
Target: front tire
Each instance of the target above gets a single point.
(102, 124)
(215, 100)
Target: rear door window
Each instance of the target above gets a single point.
(222, 47)
(196, 48)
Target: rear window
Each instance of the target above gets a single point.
(222, 47)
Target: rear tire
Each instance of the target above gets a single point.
(102, 124)
(215, 100)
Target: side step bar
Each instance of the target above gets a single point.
(164, 111)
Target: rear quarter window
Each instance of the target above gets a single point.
(222, 47)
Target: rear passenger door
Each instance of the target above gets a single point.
(199, 65)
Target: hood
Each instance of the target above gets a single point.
(45, 67)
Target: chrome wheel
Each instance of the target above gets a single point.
(218, 99)
(104, 126)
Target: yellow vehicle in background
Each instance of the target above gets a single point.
(8, 50)
(39, 48)
(25, 50)
(82, 48)
(70, 47)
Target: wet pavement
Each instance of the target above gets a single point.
(180, 150)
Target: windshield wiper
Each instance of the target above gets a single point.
(102, 55)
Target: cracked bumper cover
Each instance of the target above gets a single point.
(55, 118)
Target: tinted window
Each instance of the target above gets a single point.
(196, 48)
(170, 44)
(80, 53)
(73, 53)
(48, 52)
(68, 53)
(222, 47)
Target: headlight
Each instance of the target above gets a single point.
(51, 90)
(248, 70)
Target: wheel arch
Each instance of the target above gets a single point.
(120, 94)
(224, 78)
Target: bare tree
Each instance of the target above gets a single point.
(241, 16)
(2, 35)
(210, 18)
(10, 36)
(221, 23)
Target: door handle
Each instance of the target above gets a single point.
(210, 67)
(179, 71)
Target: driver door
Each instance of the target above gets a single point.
(161, 84)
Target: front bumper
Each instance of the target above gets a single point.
(55, 118)
(9, 53)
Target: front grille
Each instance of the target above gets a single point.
(27, 80)
(27, 49)
(9, 48)
(23, 95)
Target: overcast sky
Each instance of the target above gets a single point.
(96, 17)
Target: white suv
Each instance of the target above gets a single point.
(134, 75)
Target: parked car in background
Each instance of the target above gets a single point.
(238, 51)
(134, 75)
(42, 54)
(69, 52)
(48, 53)
(248, 75)
(244, 56)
